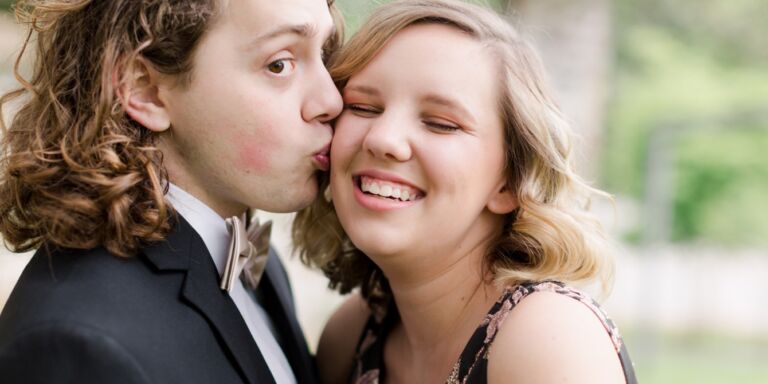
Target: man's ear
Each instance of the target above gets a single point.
(503, 200)
(139, 92)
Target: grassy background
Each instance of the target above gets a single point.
(699, 358)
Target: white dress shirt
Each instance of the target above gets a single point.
(213, 230)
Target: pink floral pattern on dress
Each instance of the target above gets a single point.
(521, 291)
(494, 320)
(370, 377)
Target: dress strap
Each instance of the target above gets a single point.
(472, 364)
(369, 360)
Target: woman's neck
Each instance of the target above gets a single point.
(439, 307)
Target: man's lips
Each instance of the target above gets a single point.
(322, 158)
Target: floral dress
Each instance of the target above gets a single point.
(471, 368)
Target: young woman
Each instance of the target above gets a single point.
(453, 207)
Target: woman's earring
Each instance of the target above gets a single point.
(327, 194)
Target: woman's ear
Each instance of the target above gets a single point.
(139, 92)
(503, 201)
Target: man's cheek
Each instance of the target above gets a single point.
(253, 158)
(255, 152)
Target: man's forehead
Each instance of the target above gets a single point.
(265, 16)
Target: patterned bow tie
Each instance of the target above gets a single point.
(248, 252)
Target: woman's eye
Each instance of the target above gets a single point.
(442, 126)
(361, 109)
(280, 67)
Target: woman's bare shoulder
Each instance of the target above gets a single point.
(549, 337)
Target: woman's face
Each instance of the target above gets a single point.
(418, 151)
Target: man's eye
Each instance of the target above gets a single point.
(280, 66)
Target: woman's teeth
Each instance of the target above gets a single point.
(387, 189)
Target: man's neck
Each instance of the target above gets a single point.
(210, 196)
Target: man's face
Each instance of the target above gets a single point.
(252, 128)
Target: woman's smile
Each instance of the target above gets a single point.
(379, 191)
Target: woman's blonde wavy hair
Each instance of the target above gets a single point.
(75, 171)
(550, 236)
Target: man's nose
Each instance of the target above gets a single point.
(323, 101)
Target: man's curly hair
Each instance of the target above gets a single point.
(75, 171)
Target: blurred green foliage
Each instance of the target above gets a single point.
(735, 30)
(695, 63)
(722, 186)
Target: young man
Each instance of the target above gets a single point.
(144, 125)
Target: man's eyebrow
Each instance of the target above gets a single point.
(452, 104)
(302, 30)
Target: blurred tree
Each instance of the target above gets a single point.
(575, 39)
(735, 29)
(702, 64)
(722, 198)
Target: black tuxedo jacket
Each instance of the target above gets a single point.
(90, 317)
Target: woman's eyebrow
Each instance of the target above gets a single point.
(454, 105)
(364, 89)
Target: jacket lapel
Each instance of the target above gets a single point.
(278, 302)
(183, 250)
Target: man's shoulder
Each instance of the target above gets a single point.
(87, 286)
(68, 351)
(73, 270)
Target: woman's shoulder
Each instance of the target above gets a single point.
(338, 343)
(554, 333)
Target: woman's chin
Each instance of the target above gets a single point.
(377, 248)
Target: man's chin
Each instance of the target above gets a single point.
(290, 204)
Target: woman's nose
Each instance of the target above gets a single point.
(388, 138)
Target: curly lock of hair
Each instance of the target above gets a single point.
(75, 171)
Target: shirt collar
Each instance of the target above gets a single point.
(205, 221)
